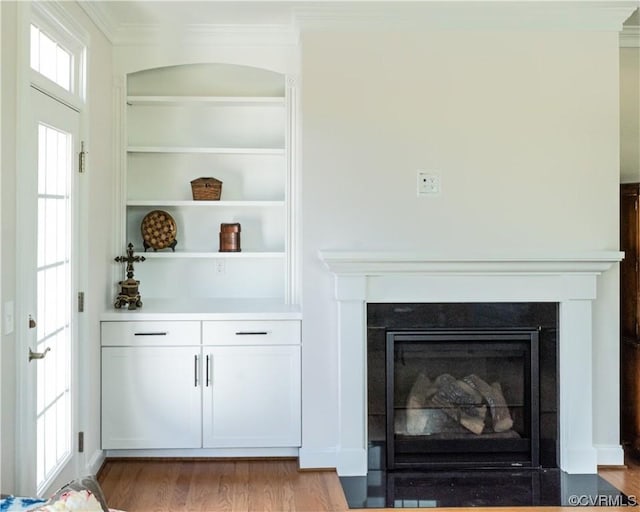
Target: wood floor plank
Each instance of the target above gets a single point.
(180, 494)
(319, 491)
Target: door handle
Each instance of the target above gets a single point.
(209, 362)
(195, 371)
(32, 322)
(37, 355)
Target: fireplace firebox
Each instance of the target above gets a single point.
(462, 398)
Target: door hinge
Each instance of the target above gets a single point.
(80, 442)
(82, 158)
(80, 302)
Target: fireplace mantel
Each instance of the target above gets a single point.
(567, 279)
(385, 263)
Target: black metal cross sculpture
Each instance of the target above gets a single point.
(129, 294)
(130, 259)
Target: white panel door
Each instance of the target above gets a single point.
(251, 396)
(151, 397)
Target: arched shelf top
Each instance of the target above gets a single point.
(207, 79)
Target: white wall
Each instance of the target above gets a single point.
(524, 130)
(630, 114)
(100, 212)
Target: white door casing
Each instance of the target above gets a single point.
(51, 93)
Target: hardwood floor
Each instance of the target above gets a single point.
(262, 485)
(189, 486)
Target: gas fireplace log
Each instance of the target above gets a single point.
(503, 421)
(416, 414)
(461, 402)
(493, 395)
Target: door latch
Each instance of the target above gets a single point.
(37, 355)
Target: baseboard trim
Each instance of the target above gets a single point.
(310, 459)
(199, 459)
(352, 462)
(611, 455)
(579, 461)
(96, 463)
(250, 453)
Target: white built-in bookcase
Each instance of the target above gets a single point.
(230, 122)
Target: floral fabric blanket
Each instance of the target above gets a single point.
(76, 501)
(80, 495)
(12, 503)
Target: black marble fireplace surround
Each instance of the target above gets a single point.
(477, 317)
(428, 485)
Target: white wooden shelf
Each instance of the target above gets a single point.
(215, 255)
(202, 120)
(233, 101)
(220, 204)
(206, 150)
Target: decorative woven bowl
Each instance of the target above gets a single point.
(158, 231)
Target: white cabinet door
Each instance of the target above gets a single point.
(151, 397)
(251, 396)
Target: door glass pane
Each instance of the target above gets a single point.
(53, 299)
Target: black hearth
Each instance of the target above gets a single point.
(462, 398)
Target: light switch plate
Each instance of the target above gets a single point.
(429, 183)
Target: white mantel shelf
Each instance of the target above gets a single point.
(385, 263)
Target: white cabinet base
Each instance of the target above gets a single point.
(165, 393)
(207, 452)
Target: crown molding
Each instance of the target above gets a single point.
(100, 17)
(207, 34)
(600, 15)
(630, 37)
(465, 15)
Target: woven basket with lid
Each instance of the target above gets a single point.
(206, 189)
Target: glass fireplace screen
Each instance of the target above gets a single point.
(462, 398)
